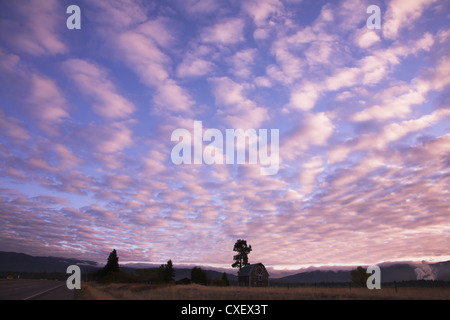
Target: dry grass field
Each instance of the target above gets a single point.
(116, 291)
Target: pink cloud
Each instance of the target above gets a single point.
(153, 67)
(124, 13)
(314, 130)
(241, 62)
(261, 11)
(67, 159)
(402, 15)
(440, 75)
(144, 57)
(36, 95)
(173, 98)
(397, 105)
(119, 181)
(397, 101)
(194, 67)
(345, 77)
(95, 82)
(389, 133)
(13, 127)
(159, 30)
(108, 138)
(304, 97)
(47, 102)
(77, 182)
(201, 7)
(370, 70)
(36, 32)
(97, 212)
(153, 167)
(320, 53)
(290, 64)
(40, 164)
(309, 172)
(9, 63)
(237, 110)
(365, 38)
(226, 32)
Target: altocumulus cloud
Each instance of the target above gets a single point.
(86, 118)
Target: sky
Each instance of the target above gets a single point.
(87, 119)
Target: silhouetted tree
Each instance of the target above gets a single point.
(199, 276)
(170, 272)
(112, 264)
(225, 279)
(166, 272)
(107, 273)
(359, 276)
(148, 275)
(241, 259)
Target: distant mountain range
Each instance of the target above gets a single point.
(389, 273)
(20, 262)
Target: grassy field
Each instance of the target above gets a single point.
(116, 291)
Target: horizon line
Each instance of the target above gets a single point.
(281, 267)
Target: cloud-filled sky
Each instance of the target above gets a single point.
(86, 118)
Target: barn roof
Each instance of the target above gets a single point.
(247, 270)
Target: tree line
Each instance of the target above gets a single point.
(111, 272)
(165, 274)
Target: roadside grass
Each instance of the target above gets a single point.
(120, 291)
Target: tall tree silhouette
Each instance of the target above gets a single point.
(225, 279)
(113, 263)
(241, 259)
(359, 276)
(170, 272)
(199, 276)
(166, 272)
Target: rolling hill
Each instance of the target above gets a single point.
(390, 272)
(20, 262)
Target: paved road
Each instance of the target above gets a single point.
(35, 290)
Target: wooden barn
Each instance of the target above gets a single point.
(253, 275)
(183, 281)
